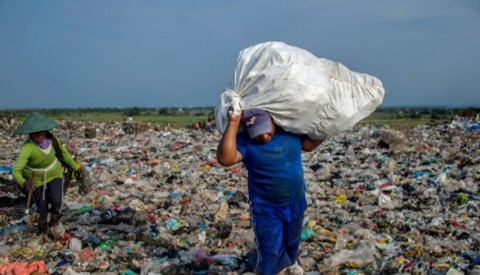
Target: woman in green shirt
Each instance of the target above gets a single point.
(38, 168)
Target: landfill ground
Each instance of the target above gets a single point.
(380, 201)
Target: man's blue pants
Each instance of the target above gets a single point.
(277, 230)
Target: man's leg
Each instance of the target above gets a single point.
(293, 230)
(268, 227)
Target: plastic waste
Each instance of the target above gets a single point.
(82, 209)
(411, 210)
(75, 244)
(350, 153)
(358, 257)
(6, 169)
(13, 229)
(307, 234)
(222, 212)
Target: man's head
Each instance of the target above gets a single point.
(259, 124)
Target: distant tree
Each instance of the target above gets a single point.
(135, 111)
(163, 111)
(414, 115)
(435, 116)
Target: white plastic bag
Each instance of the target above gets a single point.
(304, 94)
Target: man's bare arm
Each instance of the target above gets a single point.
(227, 154)
(308, 145)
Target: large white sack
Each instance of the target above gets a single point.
(304, 94)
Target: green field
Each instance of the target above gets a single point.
(181, 119)
(395, 121)
(177, 121)
(187, 117)
(185, 121)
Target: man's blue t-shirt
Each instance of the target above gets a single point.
(275, 171)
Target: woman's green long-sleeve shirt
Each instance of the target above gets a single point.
(32, 156)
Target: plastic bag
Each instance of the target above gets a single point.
(360, 256)
(303, 93)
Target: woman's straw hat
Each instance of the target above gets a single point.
(36, 122)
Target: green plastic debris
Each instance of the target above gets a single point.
(106, 244)
(127, 272)
(460, 198)
(82, 209)
(307, 234)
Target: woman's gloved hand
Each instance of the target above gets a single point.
(29, 185)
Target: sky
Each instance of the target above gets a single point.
(159, 53)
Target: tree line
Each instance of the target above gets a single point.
(130, 111)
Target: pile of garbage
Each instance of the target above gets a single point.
(468, 119)
(380, 201)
